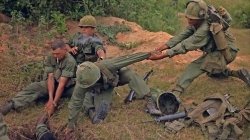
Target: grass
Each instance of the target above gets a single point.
(123, 120)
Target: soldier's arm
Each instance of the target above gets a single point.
(75, 105)
(67, 72)
(62, 83)
(101, 54)
(49, 76)
(98, 47)
(51, 87)
(71, 46)
(197, 40)
(187, 32)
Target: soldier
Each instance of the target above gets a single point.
(85, 45)
(42, 131)
(59, 76)
(99, 79)
(197, 35)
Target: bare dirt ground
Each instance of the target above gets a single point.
(148, 41)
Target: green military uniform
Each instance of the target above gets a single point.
(63, 68)
(192, 39)
(3, 129)
(87, 47)
(102, 89)
(43, 133)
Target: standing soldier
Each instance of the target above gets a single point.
(59, 74)
(202, 34)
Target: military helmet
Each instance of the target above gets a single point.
(87, 74)
(88, 21)
(196, 9)
(167, 103)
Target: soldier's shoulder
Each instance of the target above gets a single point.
(70, 58)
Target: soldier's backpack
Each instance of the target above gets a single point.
(217, 117)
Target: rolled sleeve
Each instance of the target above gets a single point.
(49, 68)
(99, 47)
(69, 70)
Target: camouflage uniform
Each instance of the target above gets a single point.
(87, 47)
(102, 90)
(65, 68)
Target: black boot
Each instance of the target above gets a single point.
(100, 114)
(244, 75)
(7, 107)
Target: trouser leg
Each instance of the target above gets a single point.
(30, 94)
(43, 133)
(187, 77)
(134, 81)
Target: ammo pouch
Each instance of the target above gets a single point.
(112, 78)
(220, 40)
(231, 126)
(214, 64)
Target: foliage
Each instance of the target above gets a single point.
(153, 15)
(241, 14)
(111, 31)
(239, 10)
(58, 19)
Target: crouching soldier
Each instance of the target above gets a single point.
(59, 76)
(99, 79)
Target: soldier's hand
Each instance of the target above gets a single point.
(73, 50)
(155, 55)
(50, 110)
(161, 48)
(49, 103)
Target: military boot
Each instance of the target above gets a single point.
(151, 107)
(244, 75)
(7, 107)
(100, 114)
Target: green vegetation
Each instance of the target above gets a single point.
(34, 22)
(111, 31)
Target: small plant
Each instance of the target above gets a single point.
(76, 12)
(59, 21)
(111, 31)
(17, 20)
(42, 26)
